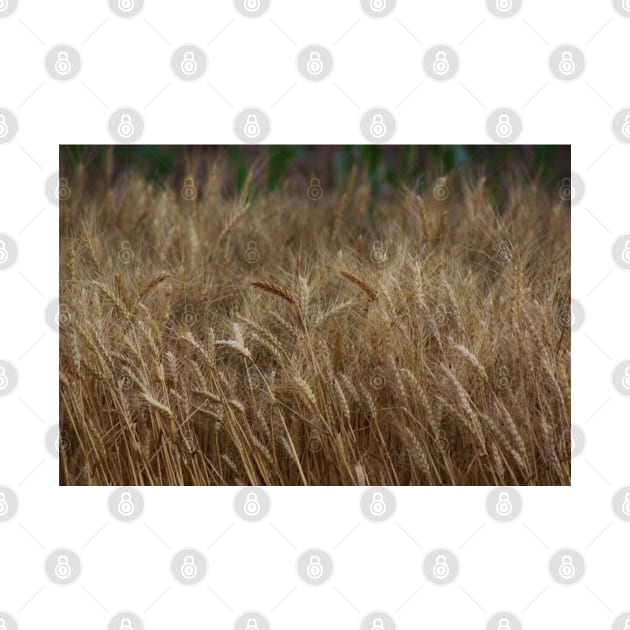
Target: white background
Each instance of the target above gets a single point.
(251, 62)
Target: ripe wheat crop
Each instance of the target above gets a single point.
(281, 340)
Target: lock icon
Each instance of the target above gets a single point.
(378, 5)
(378, 624)
(440, 63)
(252, 624)
(62, 568)
(125, 254)
(252, 255)
(4, 129)
(314, 569)
(189, 568)
(625, 130)
(440, 568)
(567, 190)
(377, 505)
(567, 568)
(315, 191)
(503, 624)
(4, 506)
(314, 64)
(62, 442)
(189, 191)
(625, 381)
(63, 65)
(625, 506)
(189, 64)
(125, 624)
(567, 64)
(504, 5)
(125, 505)
(252, 5)
(504, 505)
(252, 128)
(126, 5)
(504, 127)
(379, 256)
(125, 127)
(4, 254)
(252, 505)
(625, 255)
(63, 192)
(440, 189)
(378, 128)
(4, 381)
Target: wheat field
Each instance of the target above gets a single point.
(285, 339)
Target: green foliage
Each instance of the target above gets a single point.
(386, 167)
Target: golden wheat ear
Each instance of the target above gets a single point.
(284, 293)
(362, 284)
(276, 289)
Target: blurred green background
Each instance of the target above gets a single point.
(275, 166)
